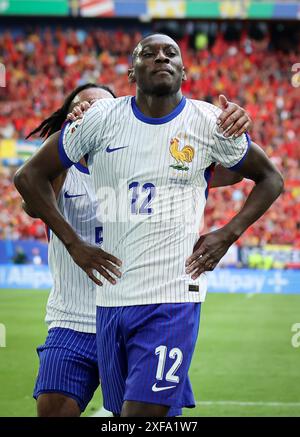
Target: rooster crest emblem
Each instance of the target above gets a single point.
(186, 154)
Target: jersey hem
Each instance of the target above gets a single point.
(199, 299)
(78, 327)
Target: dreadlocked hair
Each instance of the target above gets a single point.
(53, 123)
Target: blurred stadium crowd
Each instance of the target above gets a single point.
(42, 67)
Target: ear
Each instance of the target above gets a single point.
(183, 75)
(131, 75)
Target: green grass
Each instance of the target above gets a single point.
(243, 354)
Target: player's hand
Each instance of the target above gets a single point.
(234, 120)
(208, 251)
(91, 258)
(79, 110)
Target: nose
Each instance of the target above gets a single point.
(161, 57)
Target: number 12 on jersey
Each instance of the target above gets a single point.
(138, 192)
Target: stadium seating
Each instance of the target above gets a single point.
(43, 67)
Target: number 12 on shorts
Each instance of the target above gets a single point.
(175, 354)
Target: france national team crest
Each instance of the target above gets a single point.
(182, 153)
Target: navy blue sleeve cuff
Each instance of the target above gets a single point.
(66, 161)
(238, 165)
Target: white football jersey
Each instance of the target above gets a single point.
(72, 300)
(151, 179)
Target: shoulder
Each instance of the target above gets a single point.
(99, 114)
(113, 112)
(203, 116)
(112, 104)
(206, 109)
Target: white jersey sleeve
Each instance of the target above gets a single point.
(82, 136)
(228, 152)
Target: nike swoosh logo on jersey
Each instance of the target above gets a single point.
(154, 388)
(70, 196)
(109, 149)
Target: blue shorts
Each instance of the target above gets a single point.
(68, 365)
(144, 354)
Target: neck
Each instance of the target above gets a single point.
(157, 106)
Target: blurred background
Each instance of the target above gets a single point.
(247, 50)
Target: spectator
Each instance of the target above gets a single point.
(43, 67)
(20, 256)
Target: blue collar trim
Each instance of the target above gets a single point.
(149, 120)
(82, 168)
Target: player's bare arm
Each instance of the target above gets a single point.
(34, 182)
(223, 176)
(57, 184)
(211, 247)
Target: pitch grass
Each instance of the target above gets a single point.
(243, 354)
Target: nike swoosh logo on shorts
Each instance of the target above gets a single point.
(70, 196)
(109, 150)
(154, 388)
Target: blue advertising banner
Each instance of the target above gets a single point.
(135, 8)
(254, 281)
(221, 280)
(10, 249)
(286, 10)
(22, 276)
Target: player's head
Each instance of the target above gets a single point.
(86, 92)
(89, 93)
(157, 67)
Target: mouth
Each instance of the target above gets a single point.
(163, 70)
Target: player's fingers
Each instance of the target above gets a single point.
(223, 117)
(197, 273)
(192, 267)
(112, 259)
(71, 117)
(199, 261)
(207, 268)
(111, 268)
(243, 129)
(77, 112)
(84, 106)
(195, 255)
(236, 115)
(223, 102)
(235, 127)
(106, 275)
(93, 277)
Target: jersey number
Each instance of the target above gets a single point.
(175, 354)
(137, 190)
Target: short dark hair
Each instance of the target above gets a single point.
(53, 123)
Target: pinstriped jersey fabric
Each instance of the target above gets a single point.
(151, 178)
(72, 300)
